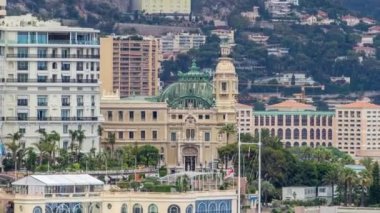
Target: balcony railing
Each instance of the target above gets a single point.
(49, 42)
(14, 80)
(49, 118)
(53, 56)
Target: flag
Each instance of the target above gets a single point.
(230, 173)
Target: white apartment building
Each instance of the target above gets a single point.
(223, 34)
(181, 42)
(179, 7)
(357, 128)
(48, 80)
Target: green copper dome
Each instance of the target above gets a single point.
(193, 89)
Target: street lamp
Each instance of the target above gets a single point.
(239, 172)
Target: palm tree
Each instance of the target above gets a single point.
(54, 137)
(332, 178)
(365, 181)
(14, 145)
(41, 150)
(228, 129)
(349, 178)
(367, 162)
(80, 137)
(73, 136)
(112, 140)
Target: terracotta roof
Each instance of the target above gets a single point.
(291, 104)
(242, 106)
(360, 105)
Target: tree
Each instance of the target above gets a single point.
(73, 136)
(14, 145)
(148, 155)
(374, 190)
(367, 162)
(228, 129)
(268, 190)
(365, 181)
(80, 136)
(349, 178)
(111, 140)
(332, 178)
(227, 152)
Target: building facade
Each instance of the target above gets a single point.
(130, 64)
(3, 11)
(184, 122)
(61, 193)
(357, 127)
(49, 79)
(296, 124)
(244, 118)
(179, 7)
(181, 42)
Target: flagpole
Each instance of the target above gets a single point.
(239, 188)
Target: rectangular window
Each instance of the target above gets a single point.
(173, 136)
(42, 37)
(65, 129)
(65, 114)
(65, 66)
(42, 65)
(224, 86)
(22, 102)
(22, 130)
(154, 135)
(42, 114)
(143, 115)
(207, 136)
(79, 66)
(41, 78)
(22, 38)
(131, 115)
(109, 115)
(22, 116)
(42, 52)
(121, 116)
(22, 52)
(42, 100)
(142, 135)
(155, 115)
(121, 135)
(22, 65)
(79, 113)
(65, 100)
(131, 135)
(80, 100)
(207, 117)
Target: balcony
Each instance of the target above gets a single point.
(65, 104)
(22, 118)
(80, 104)
(53, 56)
(14, 80)
(42, 103)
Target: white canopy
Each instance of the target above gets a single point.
(57, 180)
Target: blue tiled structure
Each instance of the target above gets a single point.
(213, 206)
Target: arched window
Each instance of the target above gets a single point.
(174, 209)
(323, 134)
(304, 144)
(318, 134)
(288, 144)
(311, 144)
(304, 134)
(37, 209)
(202, 208)
(296, 133)
(312, 134)
(256, 131)
(77, 209)
(318, 144)
(330, 134)
(330, 144)
(324, 144)
(296, 120)
(152, 208)
(296, 144)
(280, 133)
(212, 208)
(288, 134)
(124, 208)
(137, 208)
(223, 207)
(189, 209)
(273, 132)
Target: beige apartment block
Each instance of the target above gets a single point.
(162, 6)
(183, 122)
(3, 11)
(296, 124)
(244, 118)
(130, 65)
(357, 128)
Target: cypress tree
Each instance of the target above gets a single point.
(374, 190)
